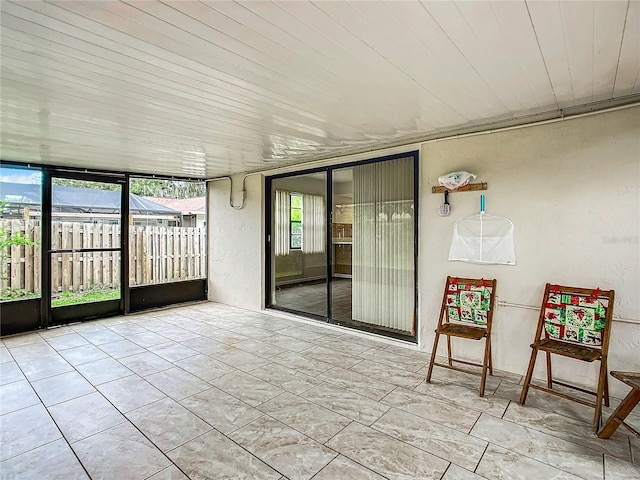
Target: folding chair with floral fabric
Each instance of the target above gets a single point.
(466, 312)
(574, 323)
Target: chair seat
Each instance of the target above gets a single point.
(464, 331)
(579, 351)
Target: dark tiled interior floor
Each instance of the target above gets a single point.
(213, 392)
(311, 297)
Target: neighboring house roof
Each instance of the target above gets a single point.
(86, 200)
(188, 206)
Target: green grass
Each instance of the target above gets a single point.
(76, 298)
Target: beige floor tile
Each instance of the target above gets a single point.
(10, 372)
(120, 452)
(26, 429)
(386, 456)
(177, 383)
(43, 367)
(287, 378)
(214, 456)
(343, 468)
(382, 372)
(169, 473)
(167, 423)
(259, 348)
(570, 457)
(455, 472)
(618, 469)
(313, 420)
(357, 382)
(246, 387)
(334, 357)
(298, 361)
(85, 416)
(295, 455)
(69, 340)
(17, 395)
(84, 354)
(464, 397)
(204, 367)
(221, 410)
(121, 348)
(430, 408)
(574, 431)
(54, 461)
(236, 358)
(502, 464)
(172, 351)
(130, 392)
(145, 363)
(452, 445)
(346, 403)
(393, 358)
(61, 388)
(102, 371)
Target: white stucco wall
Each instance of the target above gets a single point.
(572, 191)
(236, 246)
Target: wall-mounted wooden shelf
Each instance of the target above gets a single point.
(472, 187)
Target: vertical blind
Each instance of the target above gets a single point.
(383, 246)
(282, 212)
(313, 224)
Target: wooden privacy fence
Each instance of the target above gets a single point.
(156, 255)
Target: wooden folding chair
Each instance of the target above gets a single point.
(574, 323)
(466, 312)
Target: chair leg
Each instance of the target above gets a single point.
(549, 378)
(449, 350)
(485, 364)
(433, 356)
(602, 378)
(606, 389)
(527, 378)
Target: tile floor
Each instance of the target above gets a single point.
(213, 392)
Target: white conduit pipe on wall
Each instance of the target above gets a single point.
(244, 189)
(503, 303)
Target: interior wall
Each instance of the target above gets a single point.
(572, 191)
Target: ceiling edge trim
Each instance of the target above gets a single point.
(543, 118)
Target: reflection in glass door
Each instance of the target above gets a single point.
(298, 253)
(85, 252)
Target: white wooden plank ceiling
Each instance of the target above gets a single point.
(205, 89)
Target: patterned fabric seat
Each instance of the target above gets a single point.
(574, 323)
(466, 312)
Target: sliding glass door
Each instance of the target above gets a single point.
(299, 254)
(366, 277)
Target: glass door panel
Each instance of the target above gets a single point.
(383, 239)
(342, 244)
(299, 254)
(85, 243)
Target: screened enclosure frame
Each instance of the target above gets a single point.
(19, 316)
(269, 240)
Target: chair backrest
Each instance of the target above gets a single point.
(577, 315)
(469, 300)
